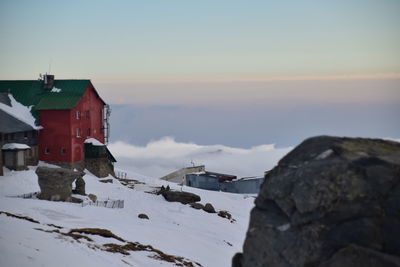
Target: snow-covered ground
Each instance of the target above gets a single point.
(173, 228)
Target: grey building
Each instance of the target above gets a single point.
(224, 182)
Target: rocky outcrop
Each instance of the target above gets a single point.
(56, 183)
(178, 196)
(330, 202)
(209, 208)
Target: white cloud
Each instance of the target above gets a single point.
(163, 156)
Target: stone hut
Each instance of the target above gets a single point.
(15, 156)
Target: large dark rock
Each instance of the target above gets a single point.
(178, 196)
(330, 202)
(56, 183)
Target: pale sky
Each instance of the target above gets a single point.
(237, 55)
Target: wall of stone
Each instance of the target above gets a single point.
(101, 167)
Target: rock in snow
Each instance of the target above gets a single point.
(340, 208)
(56, 183)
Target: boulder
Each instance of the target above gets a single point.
(56, 183)
(178, 196)
(92, 197)
(330, 202)
(143, 216)
(197, 206)
(209, 208)
(225, 214)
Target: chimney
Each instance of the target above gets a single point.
(48, 81)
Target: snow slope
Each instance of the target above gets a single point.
(173, 228)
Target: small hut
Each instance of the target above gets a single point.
(14, 156)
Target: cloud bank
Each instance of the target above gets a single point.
(166, 155)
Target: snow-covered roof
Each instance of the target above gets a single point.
(12, 146)
(20, 112)
(94, 142)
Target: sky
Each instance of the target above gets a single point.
(238, 73)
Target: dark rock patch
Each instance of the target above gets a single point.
(178, 196)
(106, 181)
(143, 216)
(209, 208)
(197, 206)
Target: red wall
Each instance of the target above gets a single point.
(60, 129)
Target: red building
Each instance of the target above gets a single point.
(70, 112)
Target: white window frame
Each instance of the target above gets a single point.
(78, 132)
(78, 114)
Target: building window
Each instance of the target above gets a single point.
(78, 132)
(78, 115)
(88, 131)
(47, 151)
(63, 151)
(26, 135)
(87, 114)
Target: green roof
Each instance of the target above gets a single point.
(32, 93)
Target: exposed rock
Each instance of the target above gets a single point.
(178, 196)
(56, 183)
(355, 256)
(224, 214)
(143, 216)
(209, 208)
(197, 206)
(106, 181)
(76, 200)
(80, 186)
(330, 202)
(92, 197)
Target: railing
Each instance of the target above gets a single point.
(121, 175)
(109, 203)
(27, 195)
(112, 204)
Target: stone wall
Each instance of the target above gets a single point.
(101, 167)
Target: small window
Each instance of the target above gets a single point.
(47, 151)
(87, 114)
(88, 131)
(25, 135)
(78, 132)
(63, 151)
(78, 115)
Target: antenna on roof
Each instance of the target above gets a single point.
(50, 65)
